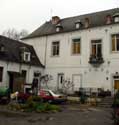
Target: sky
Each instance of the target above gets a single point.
(30, 14)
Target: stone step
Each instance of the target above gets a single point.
(106, 102)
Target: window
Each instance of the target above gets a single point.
(27, 56)
(2, 48)
(76, 46)
(55, 48)
(115, 42)
(96, 48)
(1, 73)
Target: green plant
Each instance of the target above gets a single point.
(83, 99)
(34, 106)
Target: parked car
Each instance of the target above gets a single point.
(51, 97)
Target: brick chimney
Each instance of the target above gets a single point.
(87, 22)
(108, 19)
(55, 20)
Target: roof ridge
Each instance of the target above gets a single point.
(97, 19)
(13, 40)
(91, 13)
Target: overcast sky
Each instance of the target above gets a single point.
(30, 14)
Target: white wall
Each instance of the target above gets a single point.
(15, 67)
(70, 64)
(39, 45)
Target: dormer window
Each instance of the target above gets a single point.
(2, 48)
(59, 27)
(27, 56)
(78, 24)
(116, 17)
(87, 22)
(108, 19)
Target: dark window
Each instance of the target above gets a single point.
(1, 73)
(55, 48)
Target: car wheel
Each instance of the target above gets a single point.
(49, 101)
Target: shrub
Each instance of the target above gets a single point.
(34, 106)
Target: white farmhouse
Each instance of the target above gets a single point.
(83, 49)
(18, 64)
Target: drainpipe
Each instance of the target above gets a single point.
(45, 51)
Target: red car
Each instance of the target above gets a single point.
(51, 97)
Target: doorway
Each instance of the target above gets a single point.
(76, 78)
(60, 80)
(16, 81)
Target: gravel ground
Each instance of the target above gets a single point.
(71, 114)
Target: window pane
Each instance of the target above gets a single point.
(99, 50)
(93, 50)
(116, 84)
(96, 48)
(117, 44)
(76, 46)
(113, 44)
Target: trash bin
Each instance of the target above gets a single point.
(4, 95)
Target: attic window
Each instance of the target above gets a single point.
(116, 17)
(59, 27)
(78, 24)
(108, 19)
(87, 23)
(2, 48)
(27, 56)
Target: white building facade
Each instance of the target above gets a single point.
(88, 57)
(17, 68)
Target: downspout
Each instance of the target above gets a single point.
(45, 51)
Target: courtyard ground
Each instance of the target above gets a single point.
(70, 115)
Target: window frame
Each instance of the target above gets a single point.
(29, 56)
(101, 43)
(56, 55)
(114, 51)
(60, 81)
(72, 44)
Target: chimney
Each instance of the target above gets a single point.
(108, 19)
(55, 20)
(87, 22)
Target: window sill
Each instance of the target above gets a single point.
(76, 54)
(115, 52)
(54, 56)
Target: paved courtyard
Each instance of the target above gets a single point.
(71, 115)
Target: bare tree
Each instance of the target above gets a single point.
(14, 34)
(44, 80)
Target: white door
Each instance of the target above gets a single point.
(77, 81)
